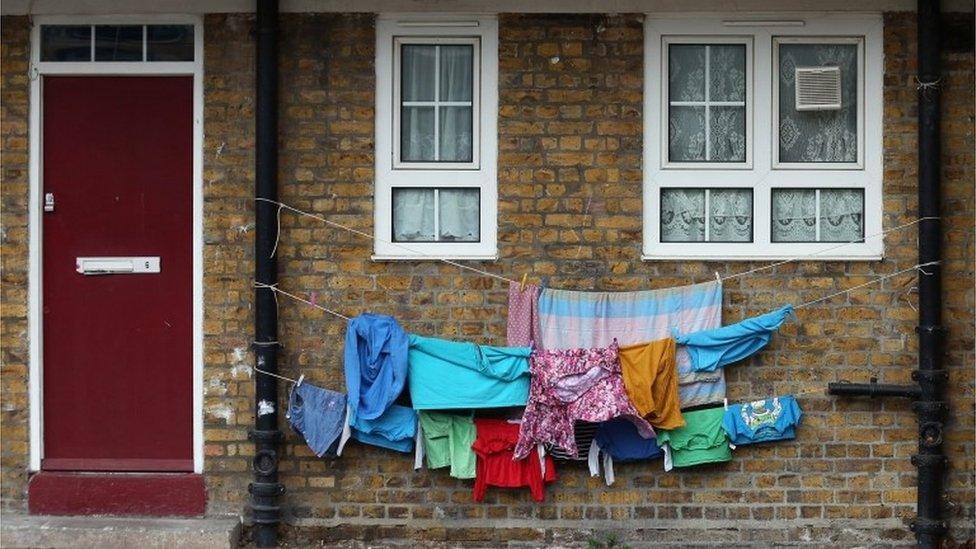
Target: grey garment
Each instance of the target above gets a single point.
(319, 415)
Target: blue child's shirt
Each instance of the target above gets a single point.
(762, 420)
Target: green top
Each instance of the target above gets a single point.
(447, 442)
(701, 440)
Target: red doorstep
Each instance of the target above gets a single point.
(174, 494)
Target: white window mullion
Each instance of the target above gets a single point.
(145, 40)
(91, 55)
(708, 213)
(437, 214)
(817, 215)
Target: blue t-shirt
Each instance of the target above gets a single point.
(763, 420)
(619, 438)
(711, 349)
(447, 375)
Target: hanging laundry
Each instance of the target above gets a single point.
(375, 365)
(446, 442)
(583, 433)
(448, 375)
(652, 382)
(573, 385)
(762, 420)
(319, 415)
(395, 430)
(523, 314)
(712, 349)
(619, 440)
(497, 466)
(701, 440)
(570, 319)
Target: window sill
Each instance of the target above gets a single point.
(408, 257)
(753, 258)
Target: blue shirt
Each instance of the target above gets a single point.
(452, 374)
(375, 365)
(394, 430)
(763, 420)
(619, 438)
(712, 349)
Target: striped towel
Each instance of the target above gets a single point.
(571, 319)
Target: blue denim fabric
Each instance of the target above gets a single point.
(318, 415)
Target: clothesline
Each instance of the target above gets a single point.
(274, 288)
(365, 234)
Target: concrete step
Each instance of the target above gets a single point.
(108, 532)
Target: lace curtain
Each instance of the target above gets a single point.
(459, 215)
(817, 136)
(452, 140)
(691, 95)
(683, 215)
(795, 215)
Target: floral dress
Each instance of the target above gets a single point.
(573, 385)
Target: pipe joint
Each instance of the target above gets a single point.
(265, 462)
(930, 376)
(929, 461)
(928, 526)
(266, 436)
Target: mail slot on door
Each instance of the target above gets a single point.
(116, 265)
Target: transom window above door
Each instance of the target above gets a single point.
(436, 138)
(763, 138)
(114, 43)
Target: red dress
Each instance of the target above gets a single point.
(496, 463)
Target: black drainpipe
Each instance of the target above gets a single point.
(928, 392)
(265, 489)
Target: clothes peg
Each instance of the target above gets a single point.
(725, 402)
(522, 284)
(301, 378)
(718, 278)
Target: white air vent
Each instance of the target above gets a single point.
(818, 88)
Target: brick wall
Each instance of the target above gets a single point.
(14, 99)
(570, 199)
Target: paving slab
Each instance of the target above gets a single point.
(36, 531)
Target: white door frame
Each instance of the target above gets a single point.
(35, 321)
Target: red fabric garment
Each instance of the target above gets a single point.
(494, 448)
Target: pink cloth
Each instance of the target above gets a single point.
(523, 315)
(573, 385)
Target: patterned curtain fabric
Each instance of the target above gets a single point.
(691, 95)
(817, 136)
(460, 217)
(795, 215)
(413, 215)
(730, 215)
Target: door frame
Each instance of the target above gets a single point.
(35, 290)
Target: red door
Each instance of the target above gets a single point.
(118, 364)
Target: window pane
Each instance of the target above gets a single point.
(417, 73)
(686, 72)
(118, 43)
(417, 134)
(794, 215)
(682, 215)
(686, 134)
(818, 136)
(841, 215)
(65, 42)
(455, 134)
(413, 215)
(460, 219)
(727, 133)
(456, 73)
(169, 43)
(727, 72)
(730, 215)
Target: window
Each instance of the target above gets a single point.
(436, 138)
(100, 43)
(762, 139)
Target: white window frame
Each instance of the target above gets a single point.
(763, 175)
(666, 102)
(39, 69)
(393, 30)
